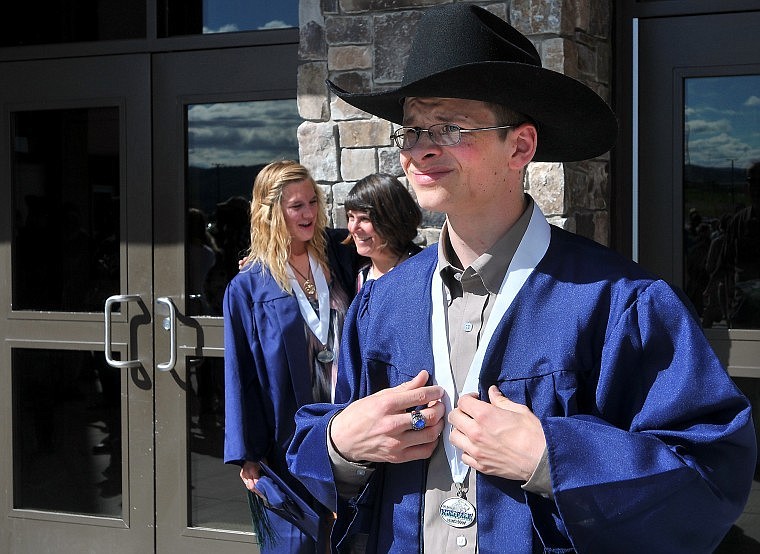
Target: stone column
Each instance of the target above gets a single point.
(572, 37)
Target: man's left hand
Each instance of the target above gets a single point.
(502, 438)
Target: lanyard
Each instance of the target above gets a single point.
(320, 325)
(531, 249)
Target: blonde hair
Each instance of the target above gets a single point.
(270, 239)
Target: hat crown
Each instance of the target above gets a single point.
(466, 52)
(455, 35)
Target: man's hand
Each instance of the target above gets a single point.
(502, 438)
(378, 428)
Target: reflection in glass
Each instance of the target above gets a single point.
(217, 498)
(65, 172)
(722, 199)
(66, 432)
(194, 17)
(228, 144)
(72, 21)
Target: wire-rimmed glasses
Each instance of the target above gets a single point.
(442, 134)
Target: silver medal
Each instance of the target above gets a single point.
(325, 356)
(457, 512)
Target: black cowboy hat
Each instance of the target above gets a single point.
(465, 51)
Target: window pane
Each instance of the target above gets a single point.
(722, 199)
(183, 17)
(217, 500)
(65, 168)
(66, 432)
(73, 21)
(228, 144)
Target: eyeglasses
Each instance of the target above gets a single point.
(442, 134)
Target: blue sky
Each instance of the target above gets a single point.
(722, 118)
(228, 16)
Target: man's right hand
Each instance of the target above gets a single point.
(377, 428)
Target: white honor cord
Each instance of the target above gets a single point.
(320, 326)
(530, 251)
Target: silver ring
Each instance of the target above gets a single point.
(418, 421)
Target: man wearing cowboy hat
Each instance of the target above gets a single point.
(516, 388)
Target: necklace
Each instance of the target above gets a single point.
(308, 286)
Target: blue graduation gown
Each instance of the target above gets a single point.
(267, 378)
(650, 444)
(267, 374)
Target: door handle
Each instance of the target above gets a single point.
(110, 301)
(170, 324)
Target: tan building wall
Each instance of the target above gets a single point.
(363, 45)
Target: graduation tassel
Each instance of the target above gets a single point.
(260, 519)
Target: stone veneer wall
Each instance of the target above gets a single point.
(363, 45)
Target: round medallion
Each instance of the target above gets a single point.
(325, 356)
(457, 512)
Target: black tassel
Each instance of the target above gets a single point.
(260, 519)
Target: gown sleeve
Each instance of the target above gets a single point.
(663, 461)
(246, 437)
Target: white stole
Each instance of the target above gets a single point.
(530, 251)
(319, 325)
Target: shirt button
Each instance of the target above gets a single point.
(461, 541)
(458, 276)
(467, 327)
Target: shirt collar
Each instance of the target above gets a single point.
(493, 264)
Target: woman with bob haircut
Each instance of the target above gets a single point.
(382, 221)
(283, 315)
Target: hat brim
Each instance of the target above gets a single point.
(574, 123)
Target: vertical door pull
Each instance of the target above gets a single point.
(170, 324)
(110, 301)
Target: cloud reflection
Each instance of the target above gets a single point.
(722, 120)
(229, 28)
(234, 27)
(242, 133)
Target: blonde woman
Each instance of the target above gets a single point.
(283, 315)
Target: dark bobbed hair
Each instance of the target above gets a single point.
(391, 209)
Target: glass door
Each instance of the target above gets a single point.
(124, 185)
(75, 174)
(219, 117)
(699, 188)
